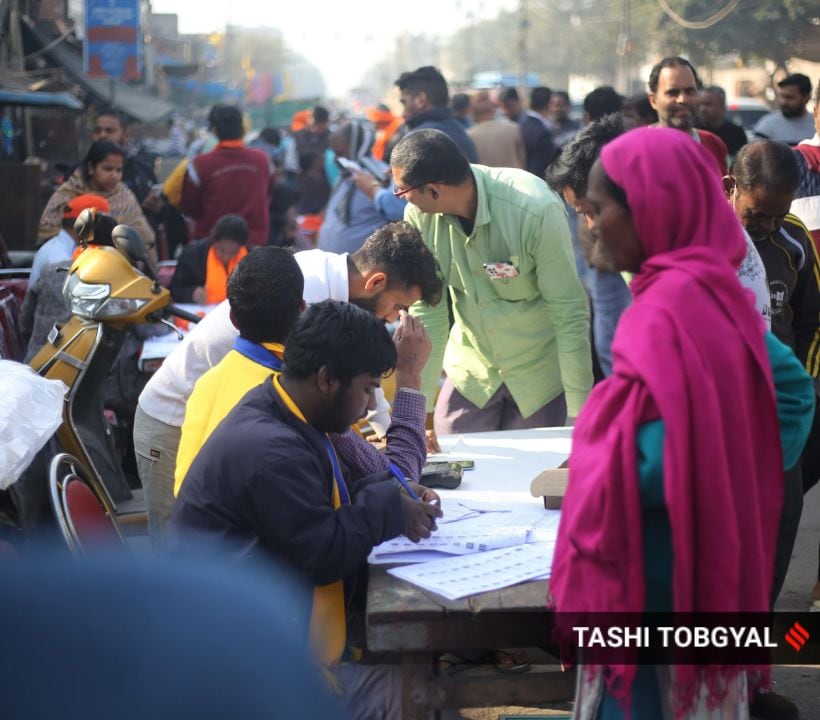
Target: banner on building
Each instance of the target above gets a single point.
(113, 42)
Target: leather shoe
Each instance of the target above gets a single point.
(772, 706)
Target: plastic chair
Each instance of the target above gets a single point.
(79, 509)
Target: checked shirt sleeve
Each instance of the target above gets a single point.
(405, 441)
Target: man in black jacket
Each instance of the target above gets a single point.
(712, 117)
(269, 480)
(424, 96)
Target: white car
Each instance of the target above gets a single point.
(746, 111)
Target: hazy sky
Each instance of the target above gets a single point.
(341, 38)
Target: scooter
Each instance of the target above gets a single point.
(107, 295)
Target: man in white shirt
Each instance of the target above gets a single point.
(391, 271)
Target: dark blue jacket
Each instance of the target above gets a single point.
(538, 144)
(264, 476)
(443, 119)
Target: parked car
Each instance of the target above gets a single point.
(746, 111)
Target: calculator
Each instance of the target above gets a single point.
(446, 475)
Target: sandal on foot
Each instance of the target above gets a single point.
(511, 661)
(453, 664)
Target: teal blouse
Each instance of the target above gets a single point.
(794, 391)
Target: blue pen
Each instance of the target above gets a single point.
(399, 475)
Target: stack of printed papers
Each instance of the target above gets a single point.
(478, 546)
(460, 576)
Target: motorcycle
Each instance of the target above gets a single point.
(109, 290)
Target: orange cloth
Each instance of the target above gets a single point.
(230, 144)
(80, 248)
(76, 205)
(216, 276)
(300, 120)
(380, 117)
(184, 325)
(311, 223)
(384, 135)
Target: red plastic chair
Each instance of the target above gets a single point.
(79, 509)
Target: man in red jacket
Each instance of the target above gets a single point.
(673, 93)
(230, 180)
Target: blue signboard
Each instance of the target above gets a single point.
(113, 44)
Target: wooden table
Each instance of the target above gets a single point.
(404, 619)
(417, 626)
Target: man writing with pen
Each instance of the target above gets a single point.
(268, 480)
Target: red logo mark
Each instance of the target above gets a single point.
(797, 637)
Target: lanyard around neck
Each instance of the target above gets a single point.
(344, 495)
(341, 487)
(258, 353)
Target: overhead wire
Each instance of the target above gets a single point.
(699, 24)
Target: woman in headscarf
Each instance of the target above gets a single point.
(99, 174)
(676, 474)
(351, 215)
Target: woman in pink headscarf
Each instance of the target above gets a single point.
(676, 475)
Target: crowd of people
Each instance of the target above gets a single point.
(644, 273)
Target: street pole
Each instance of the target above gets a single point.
(625, 48)
(16, 38)
(523, 50)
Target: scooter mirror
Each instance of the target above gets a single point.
(84, 226)
(129, 243)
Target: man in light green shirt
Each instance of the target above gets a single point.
(518, 352)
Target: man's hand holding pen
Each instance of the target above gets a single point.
(420, 516)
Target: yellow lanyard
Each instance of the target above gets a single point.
(340, 493)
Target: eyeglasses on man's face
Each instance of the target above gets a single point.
(401, 192)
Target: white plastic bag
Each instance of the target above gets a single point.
(31, 409)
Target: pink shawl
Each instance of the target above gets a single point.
(690, 351)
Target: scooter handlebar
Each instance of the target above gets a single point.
(182, 314)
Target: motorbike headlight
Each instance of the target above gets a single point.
(84, 299)
(94, 301)
(120, 306)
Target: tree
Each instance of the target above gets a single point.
(563, 38)
(775, 30)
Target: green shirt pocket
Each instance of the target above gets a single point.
(522, 287)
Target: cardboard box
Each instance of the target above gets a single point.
(552, 486)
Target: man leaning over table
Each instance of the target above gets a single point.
(518, 353)
(265, 296)
(392, 270)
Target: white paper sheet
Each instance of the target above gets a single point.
(417, 556)
(450, 540)
(492, 527)
(465, 575)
